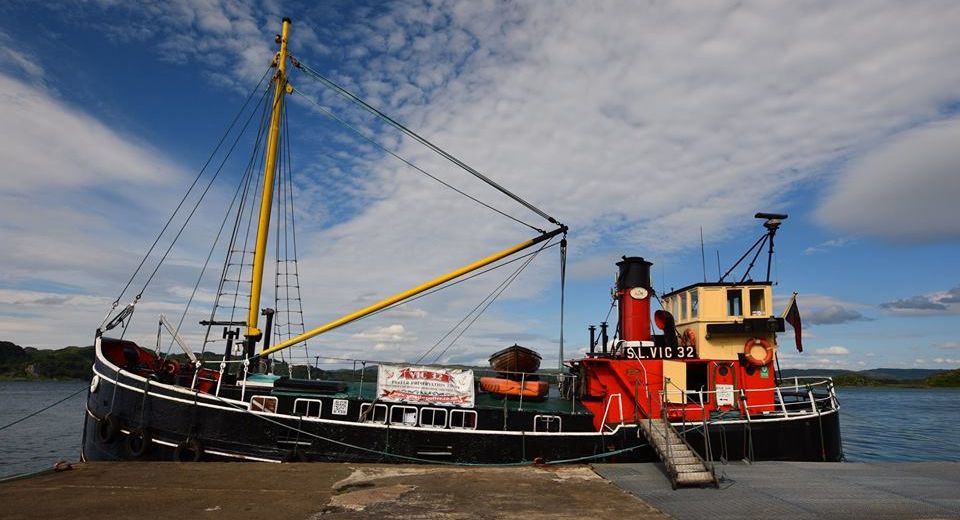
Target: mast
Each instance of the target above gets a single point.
(266, 202)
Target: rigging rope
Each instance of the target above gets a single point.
(455, 282)
(417, 137)
(45, 408)
(504, 285)
(206, 190)
(190, 189)
(563, 288)
(455, 327)
(372, 141)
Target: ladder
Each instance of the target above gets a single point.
(683, 464)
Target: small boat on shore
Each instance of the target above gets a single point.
(515, 359)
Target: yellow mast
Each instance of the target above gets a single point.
(269, 170)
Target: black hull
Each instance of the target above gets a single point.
(222, 430)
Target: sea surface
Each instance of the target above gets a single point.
(887, 424)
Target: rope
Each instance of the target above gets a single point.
(439, 151)
(206, 190)
(563, 287)
(449, 332)
(505, 285)
(190, 189)
(408, 163)
(45, 408)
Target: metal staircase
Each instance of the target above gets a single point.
(683, 464)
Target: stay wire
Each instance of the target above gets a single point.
(464, 319)
(45, 408)
(510, 280)
(456, 282)
(203, 270)
(370, 140)
(245, 181)
(197, 204)
(417, 137)
(192, 185)
(563, 288)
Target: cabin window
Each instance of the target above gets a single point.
(675, 304)
(756, 302)
(683, 306)
(463, 420)
(433, 418)
(694, 304)
(734, 302)
(307, 407)
(546, 423)
(406, 415)
(377, 415)
(263, 403)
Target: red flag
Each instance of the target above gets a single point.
(792, 316)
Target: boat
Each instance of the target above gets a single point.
(515, 359)
(693, 383)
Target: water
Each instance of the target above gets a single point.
(42, 440)
(876, 423)
(900, 423)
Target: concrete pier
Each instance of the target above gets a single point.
(801, 490)
(795, 490)
(317, 491)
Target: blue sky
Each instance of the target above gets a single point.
(635, 124)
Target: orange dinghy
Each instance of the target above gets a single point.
(508, 387)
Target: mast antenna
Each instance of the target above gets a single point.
(703, 256)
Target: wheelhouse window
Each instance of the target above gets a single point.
(263, 403)
(463, 419)
(683, 306)
(734, 302)
(378, 414)
(433, 418)
(694, 304)
(406, 415)
(756, 302)
(307, 407)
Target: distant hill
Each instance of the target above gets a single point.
(896, 374)
(18, 362)
(916, 377)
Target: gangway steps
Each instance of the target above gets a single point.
(684, 466)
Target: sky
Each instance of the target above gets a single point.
(637, 124)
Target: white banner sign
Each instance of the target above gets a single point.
(425, 385)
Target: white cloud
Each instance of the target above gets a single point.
(47, 144)
(905, 190)
(634, 123)
(827, 245)
(833, 351)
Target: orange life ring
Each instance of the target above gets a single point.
(748, 351)
(690, 338)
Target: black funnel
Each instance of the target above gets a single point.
(634, 272)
